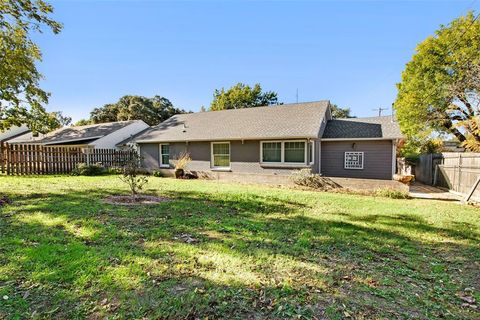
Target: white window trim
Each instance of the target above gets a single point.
(345, 160)
(282, 162)
(229, 155)
(164, 165)
(312, 142)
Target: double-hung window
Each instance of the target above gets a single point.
(221, 155)
(298, 152)
(354, 160)
(164, 155)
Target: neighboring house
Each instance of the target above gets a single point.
(13, 133)
(102, 135)
(275, 140)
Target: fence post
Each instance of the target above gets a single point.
(459, 180)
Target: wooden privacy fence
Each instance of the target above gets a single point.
(456, 171)
(24, 159)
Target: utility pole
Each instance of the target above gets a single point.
(380, 109)
(297, 95)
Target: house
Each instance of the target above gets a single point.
(275, 140)
(102, 135)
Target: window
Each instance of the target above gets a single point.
(164, 155)
(220, 154)
(299, 152)
(354, 160)
(295, 152)
(310, 152)
(272, 152)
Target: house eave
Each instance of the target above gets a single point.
(227, 139)
(358, 139)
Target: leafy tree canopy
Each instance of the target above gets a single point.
(151, 110)
(242, 96)
(440, 86)
(21, 98)
(339, 113)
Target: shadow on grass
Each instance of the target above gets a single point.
(253, 256)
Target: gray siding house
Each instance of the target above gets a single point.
(274, 140)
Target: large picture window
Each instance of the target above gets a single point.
(272, 152)
(295, 152)
(164, 155)
(299, 152)
(354, 160)
(220, 154)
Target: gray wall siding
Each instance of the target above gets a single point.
(377, 163)
(244, 157)
(150, 155)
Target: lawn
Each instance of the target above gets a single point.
(232, 251)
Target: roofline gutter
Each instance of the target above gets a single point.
(227, 139)
(66, 141)
(359, 139)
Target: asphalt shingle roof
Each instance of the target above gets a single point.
(374, 127)
(81, 133)
(297, 120)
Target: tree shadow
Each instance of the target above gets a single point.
(252, 254)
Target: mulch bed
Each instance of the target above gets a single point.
(132, 201)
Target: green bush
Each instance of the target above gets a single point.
(83, 169)
(158, 174)
(392, 193)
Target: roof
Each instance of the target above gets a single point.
(384, 127)
(84, 134)
(296, 120)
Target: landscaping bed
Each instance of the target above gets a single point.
(231, 251)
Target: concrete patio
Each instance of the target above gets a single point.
(422, 191)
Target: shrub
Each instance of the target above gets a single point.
(306, 178)
(83, 169)
(132, 173)
(392, 193)
(158, 174)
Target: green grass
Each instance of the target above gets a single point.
(261, 252)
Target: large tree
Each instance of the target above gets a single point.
(339, 113)
(440, 88)
(242, 96)
(21, 98)
(151, 110)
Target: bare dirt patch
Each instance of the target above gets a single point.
(137, 200)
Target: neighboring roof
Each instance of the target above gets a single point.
(82, 134)
(13, 132)
(384, 127)
(26, 138)
(296, 120)
(131, 138)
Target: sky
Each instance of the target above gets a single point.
(349, 52)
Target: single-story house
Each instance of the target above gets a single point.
(275, 140)
(102, 136)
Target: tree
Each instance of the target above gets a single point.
(440, 88)
(82, 122)
(339, 113)
(151, 110)
(242, 96)
(132, 173)
(21, 98)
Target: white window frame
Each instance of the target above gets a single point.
(282, 154)
(229, 155)
(353, 153)
(164, 165)
(312, 143)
